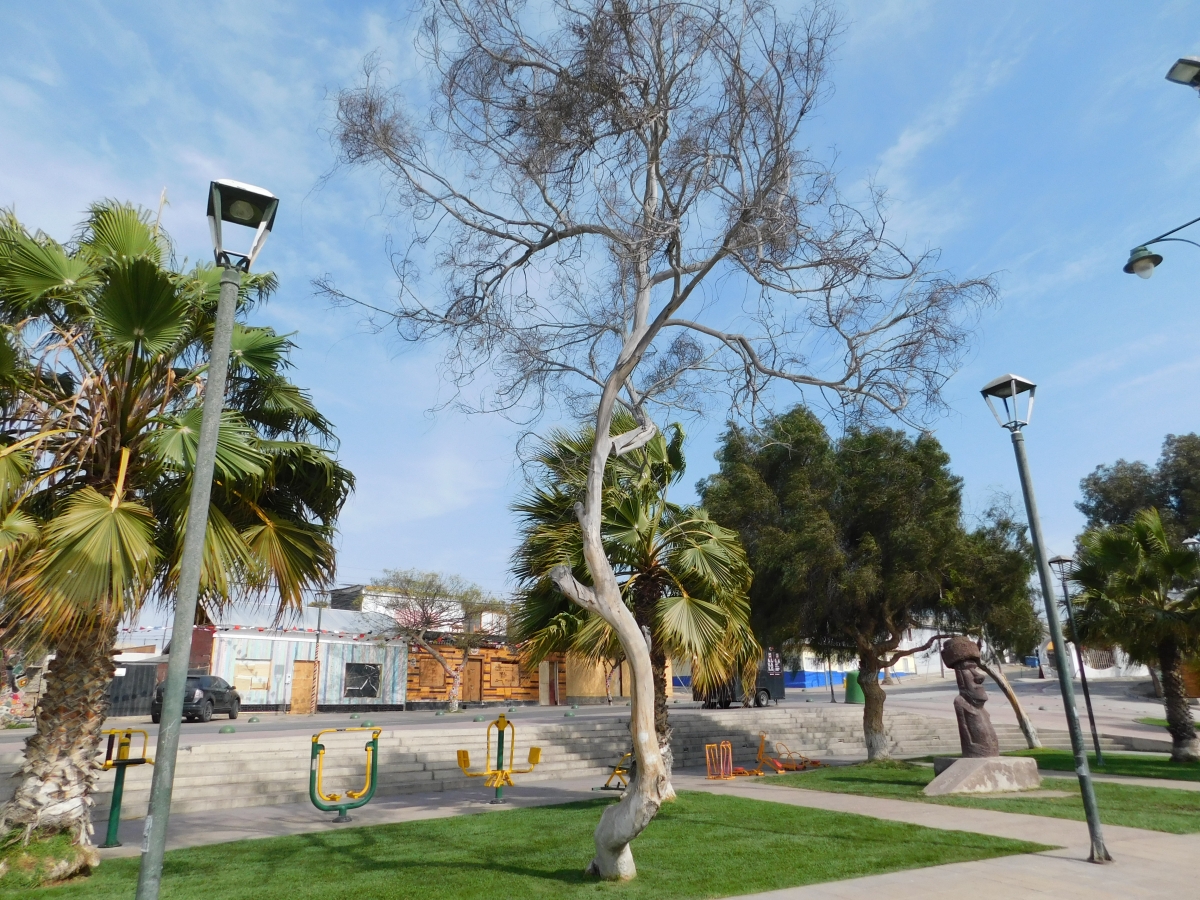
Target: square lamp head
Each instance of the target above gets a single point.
(1186, 71)
(1007, 389)
(240, 204)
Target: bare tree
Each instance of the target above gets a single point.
(433, 610)
(619, 198)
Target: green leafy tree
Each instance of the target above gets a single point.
(683, 576)
(852, 542)
(1140, 590)
(991, 597)
(1114, 494)
(106, 345)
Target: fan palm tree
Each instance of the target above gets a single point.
(1140, 590)
(106, 347)
(684, 577)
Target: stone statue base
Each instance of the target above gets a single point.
(986, 775)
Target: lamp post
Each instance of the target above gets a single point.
(253, 207)
(1008, 389)
(1186, 71)
(1143, 261)
(1063, 565)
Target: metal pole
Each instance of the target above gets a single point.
(154, 837)
(1087, 695)
(1099, 853)
(499, 798)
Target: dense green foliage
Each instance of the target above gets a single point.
(991, 592)
(683, 576)
(1156, 809)
(702, 845)
(1114, 494)
(851, 542)
(1141, 590)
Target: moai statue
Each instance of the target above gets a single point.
(974, 725)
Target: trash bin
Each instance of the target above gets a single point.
(854, 692)
(1031, 662)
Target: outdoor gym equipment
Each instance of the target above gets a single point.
(621, 772)
(502, 774)
(791, 762)
(718, 759)
(120, 740)
(351, 799)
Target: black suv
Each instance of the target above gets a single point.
(202, 696)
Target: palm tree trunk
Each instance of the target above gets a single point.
(59, 773)
(874, 696)
(1184, 745)
(1027, 727)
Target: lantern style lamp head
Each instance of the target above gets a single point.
(1186, 71)
(1062, 564)
(1142, 262)
(1192, 544)
(240, 204)
(1007, 389)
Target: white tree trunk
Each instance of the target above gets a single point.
(456, 683)
(651, 785)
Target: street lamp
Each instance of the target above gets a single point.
(1064, 565)
(252, 207)
(1143, 261)
(1009, 389)
(1186, 71)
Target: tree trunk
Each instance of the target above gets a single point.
(623, 821)
(1158, 690)
(58, 776)
(874, 695)
(1184, 745)
(1027, 727)
(456, 684)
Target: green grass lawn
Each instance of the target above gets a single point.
(700, 846)
(1158, 809)
(1161, 723)
(1117, 764)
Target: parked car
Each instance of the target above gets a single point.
(203, 695)
(768, 686)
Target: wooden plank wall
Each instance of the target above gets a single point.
(493, 690)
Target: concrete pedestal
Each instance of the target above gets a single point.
(987, 775)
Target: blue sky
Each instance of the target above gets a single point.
(1035, 141)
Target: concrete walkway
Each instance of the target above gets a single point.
(1148, 864)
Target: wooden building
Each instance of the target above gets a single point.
(493, 675)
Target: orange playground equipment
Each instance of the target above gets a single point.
(790, 762)
(718, 759)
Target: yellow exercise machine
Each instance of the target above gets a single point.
(502, 774)
(791, 762)
(621, 773)
(118, 756)
(351, 799)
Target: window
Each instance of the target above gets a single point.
(362, 680)
(506, 675)
(252, 675)
(432, 674)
